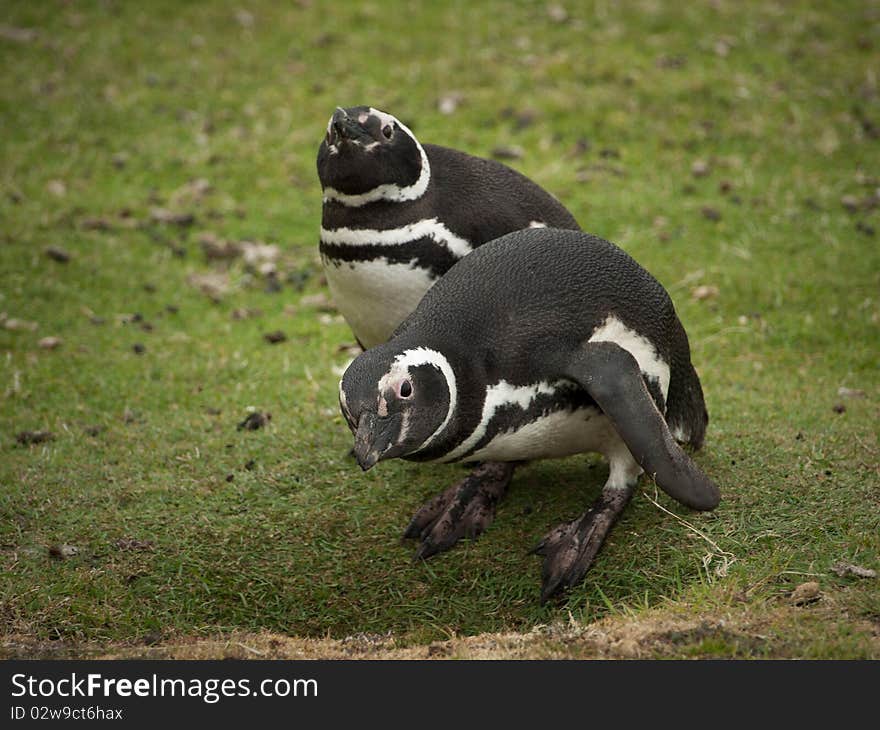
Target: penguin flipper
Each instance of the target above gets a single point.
(613, 379)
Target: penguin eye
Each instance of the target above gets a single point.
(387, 131)
(406, 389)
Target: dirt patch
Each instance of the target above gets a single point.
(654, 634)
(715, 638)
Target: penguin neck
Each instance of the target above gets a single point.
(389, 192)
(381, 214)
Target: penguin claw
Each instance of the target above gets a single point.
(443, 534)
(552, 589)
(430, 547)
(412, 531)
(428, 514)
(464, 510)
(425, 550)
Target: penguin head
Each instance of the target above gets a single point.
(396, 402)
(369, 155)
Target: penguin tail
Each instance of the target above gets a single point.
(686, 412)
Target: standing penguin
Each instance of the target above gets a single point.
(544, 343)
(398, 214)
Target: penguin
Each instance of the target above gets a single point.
(398, 214)
(541, 344)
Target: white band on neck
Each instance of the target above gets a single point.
(389, 191)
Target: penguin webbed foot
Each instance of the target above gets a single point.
(570, 548)
(464, 510)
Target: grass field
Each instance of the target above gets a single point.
(732, 148)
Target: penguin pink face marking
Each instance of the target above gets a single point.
(393, 387)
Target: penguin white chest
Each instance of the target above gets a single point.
(378, 276)
(375, 296)
(557, 434)
(539, 421)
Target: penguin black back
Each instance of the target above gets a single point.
(533, 292)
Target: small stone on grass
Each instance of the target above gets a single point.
(705, 291)
(254, 421)
(275, 337)
(700, 168)
(806, 593)
(62, 552)
(50, 343)
(56, 253)
(27, 438)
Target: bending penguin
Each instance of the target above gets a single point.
(541, 344)
(398, 214)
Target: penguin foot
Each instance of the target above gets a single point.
(463, 510)
(570, 548)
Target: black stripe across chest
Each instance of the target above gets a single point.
(424, 253)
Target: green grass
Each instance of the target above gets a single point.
(126, 104)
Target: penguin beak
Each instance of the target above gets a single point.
(375, 436)
(343, 127)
